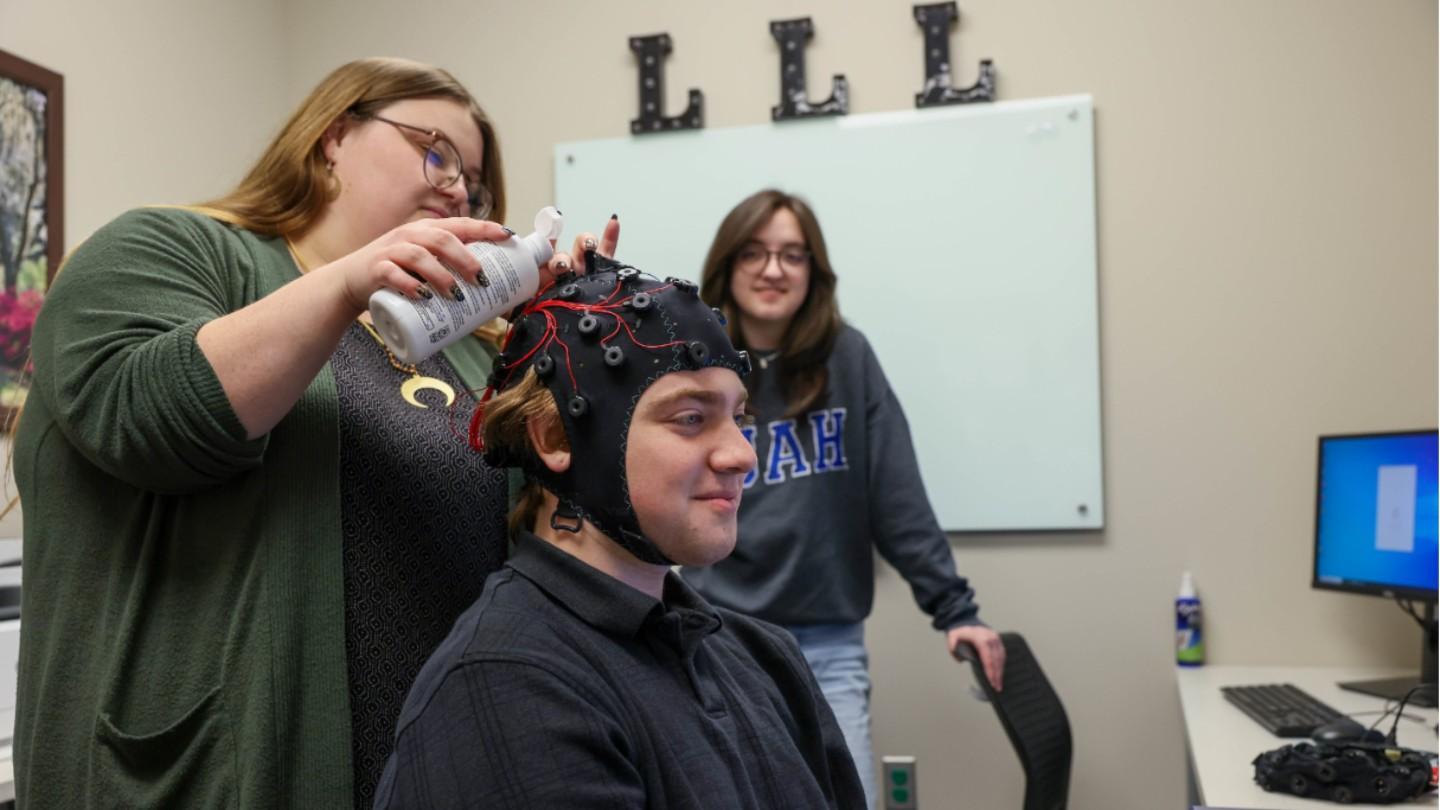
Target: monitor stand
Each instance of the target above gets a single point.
(1397, 688)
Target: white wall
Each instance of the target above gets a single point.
(1267, 206)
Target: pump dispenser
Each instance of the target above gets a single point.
(415, 329)
(1189, 638)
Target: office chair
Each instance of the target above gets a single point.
(1034, 719)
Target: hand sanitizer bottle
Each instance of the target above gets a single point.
(1189, 640)
(414, 329)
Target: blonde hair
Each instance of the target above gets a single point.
(287, 189)
(506, 420)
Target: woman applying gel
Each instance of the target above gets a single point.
(242, 539)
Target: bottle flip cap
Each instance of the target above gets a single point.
(541, 242)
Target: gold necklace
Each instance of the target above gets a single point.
(418, 382)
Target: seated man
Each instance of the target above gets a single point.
(588, 675)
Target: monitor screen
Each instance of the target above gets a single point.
(1376, 514)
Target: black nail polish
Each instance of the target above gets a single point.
(425, 292)
(509, 232)
(482, 279)
(456, 293)
(614, 216)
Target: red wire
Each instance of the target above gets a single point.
(637, 342)
(477, 440)
(552, 335)
(616, 330)
(574, 386)
(618, 285)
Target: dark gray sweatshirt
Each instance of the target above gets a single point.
(830, 484)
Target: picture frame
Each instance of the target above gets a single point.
(32, 211)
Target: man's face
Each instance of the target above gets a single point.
(685, 461)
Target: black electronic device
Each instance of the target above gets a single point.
(1346, 730)
(9, 579)
(1346, 772)
(9, 602)
(1376, 510)
(1284, 709)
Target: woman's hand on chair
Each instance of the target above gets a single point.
(987, 644)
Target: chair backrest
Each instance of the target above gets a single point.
(1034, 719)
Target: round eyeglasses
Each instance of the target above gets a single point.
(755, 257)
(443, 166)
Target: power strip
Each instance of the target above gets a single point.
(899, 776)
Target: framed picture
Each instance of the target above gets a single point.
(32, 210)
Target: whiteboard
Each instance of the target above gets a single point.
(964, 243)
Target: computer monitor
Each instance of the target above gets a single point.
(1376, 515)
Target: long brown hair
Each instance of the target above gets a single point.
(810, 338)
(289, 186)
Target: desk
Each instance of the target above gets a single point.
(1222, 740)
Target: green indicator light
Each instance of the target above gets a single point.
(900, 795)
(899, 777)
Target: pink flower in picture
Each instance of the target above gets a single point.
(17, 320)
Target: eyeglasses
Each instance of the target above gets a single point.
(443, 166)
(755, 257)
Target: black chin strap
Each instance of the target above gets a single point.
(566, 511)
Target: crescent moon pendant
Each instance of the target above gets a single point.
(415, 384)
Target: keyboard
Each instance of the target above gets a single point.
(1284, 709)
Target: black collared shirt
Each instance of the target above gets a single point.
(564, 687)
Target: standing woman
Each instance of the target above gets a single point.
(241, 542)
(837, 473)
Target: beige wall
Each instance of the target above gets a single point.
(1267, 215)
(166, 101)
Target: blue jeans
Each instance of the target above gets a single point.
(836, 654)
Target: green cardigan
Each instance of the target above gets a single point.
(182, 642)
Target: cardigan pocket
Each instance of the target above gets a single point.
(188, 763)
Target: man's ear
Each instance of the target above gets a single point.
(547, 437)
(330, 141)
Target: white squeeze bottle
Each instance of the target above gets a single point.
(414, 329)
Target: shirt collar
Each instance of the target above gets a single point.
(597, 598)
